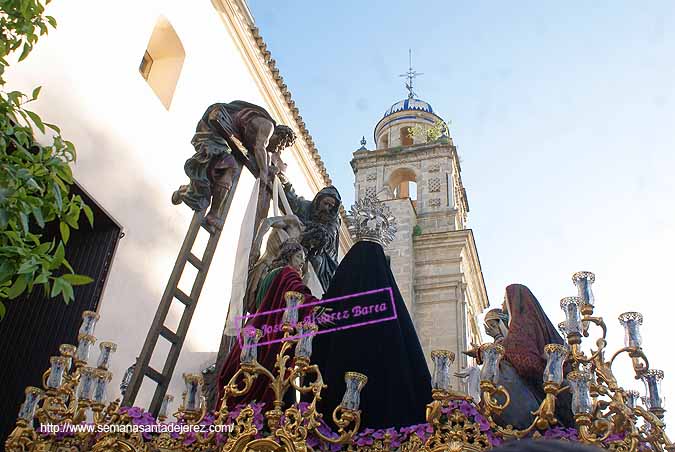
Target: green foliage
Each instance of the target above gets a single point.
(431, 134)
(35, 178)
(417, 230)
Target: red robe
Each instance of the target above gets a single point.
(288, 279)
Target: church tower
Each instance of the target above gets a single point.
(415, 170)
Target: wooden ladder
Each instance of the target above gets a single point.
(171, 292)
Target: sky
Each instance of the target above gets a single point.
(563, 115)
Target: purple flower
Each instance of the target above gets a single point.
(364, 440)
(467, 409)
(494, 440)
(407, 430)
(208, 419)
(133, 412)
(615, 437)
(190, 437)
(302, 406)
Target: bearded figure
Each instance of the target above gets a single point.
(224, 128)
(322, 225)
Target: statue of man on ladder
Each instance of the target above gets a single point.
(225, 130)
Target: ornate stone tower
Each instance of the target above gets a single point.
(434, 256)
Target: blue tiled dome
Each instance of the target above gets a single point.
(409, 104)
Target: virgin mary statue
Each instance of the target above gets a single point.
(372, 332)
(523, 329)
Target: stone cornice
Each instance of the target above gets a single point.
(403, 154)
(465, 239)
(258, 59)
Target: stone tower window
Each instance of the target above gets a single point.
(384, 141)
(403, 183)
(162, 61)
(406, 136)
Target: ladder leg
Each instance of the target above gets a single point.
(143, 361)
(195, 292)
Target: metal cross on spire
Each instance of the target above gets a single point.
(410, 75)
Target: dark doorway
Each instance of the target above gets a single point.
(35, 325)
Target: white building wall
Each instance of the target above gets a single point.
(131, 152)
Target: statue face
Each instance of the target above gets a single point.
(325, 207)
(492, 329)
(298, 261)
(327, 203)
(273, 144)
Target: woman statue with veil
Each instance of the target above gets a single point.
(387, 352)
(523, 329)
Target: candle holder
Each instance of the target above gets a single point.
(85, 341)
(580, 383)
(491, 355)
(164, 409)
(631, 322)
(89, 319)
(193, 408)
(59, 366)
(632, 398)
(101, 379)
(654, 401)
(562, 327)
(584, 280)
(86, 384)
(107, 349)
(68, 351)
(303, 350)
(553, 377)
(352, 397)
(27, 410)
(249, 350)
(555, 359)
(440, 381)
(570, 306)
(293, 299)
(193, 391)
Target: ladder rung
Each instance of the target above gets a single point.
(196, 263)
(169, 335)
(206, 228)
(153, 374)
(182, 297)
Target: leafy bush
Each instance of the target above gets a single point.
(35, 177)
(430, 134)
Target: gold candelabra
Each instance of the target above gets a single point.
(601, 407)
(605, 414)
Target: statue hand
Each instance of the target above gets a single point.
(322, 311)
(278, 165)
(474, 352)
(463, 373)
